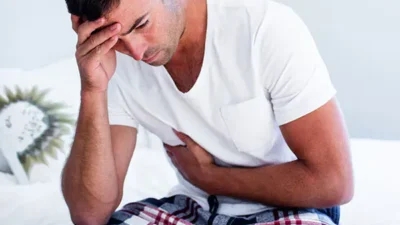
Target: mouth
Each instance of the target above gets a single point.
(151, 58)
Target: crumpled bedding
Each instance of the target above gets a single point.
(376, 192)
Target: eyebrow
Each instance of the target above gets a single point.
(137, 22)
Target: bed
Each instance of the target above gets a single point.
(376, 200)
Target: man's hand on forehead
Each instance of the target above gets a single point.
(78, 21)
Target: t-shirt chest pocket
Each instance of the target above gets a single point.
(250, 125)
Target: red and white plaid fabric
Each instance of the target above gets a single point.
(188, 212)
(158, 216)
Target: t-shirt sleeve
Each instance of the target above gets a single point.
(294, 75)
(118, 110)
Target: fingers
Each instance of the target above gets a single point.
(173, 149)
(103, 48)
(168, 147)
(87, 28)
(175, 152)
(93, 39)
(186, 139)
(100, 42)
(99, 38)
(172, 153)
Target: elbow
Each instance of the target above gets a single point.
(345, 191)
(339, 195)
(88, 219)
(339, 189)
(89, 211)
(83, 220)
(95, 216)
(85, 214)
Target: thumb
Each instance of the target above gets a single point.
(185, 139)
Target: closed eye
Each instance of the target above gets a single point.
(142, 25)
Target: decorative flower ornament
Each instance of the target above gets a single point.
(33, 125)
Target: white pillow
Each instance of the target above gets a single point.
(23, 122)
(4, 74)
(37, 119)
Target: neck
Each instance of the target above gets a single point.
(195, 25)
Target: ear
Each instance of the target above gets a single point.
(75, 22)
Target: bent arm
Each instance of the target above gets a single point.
(92, 179)
(320, 177)
(298, 84)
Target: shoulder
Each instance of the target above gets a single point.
(232, 13)
(239, 3)
(284, 46)
(281, 26)
(255, 10)
(253, 23)
(251, 32)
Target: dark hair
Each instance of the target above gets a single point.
(91, 9)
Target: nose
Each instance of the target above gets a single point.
(136, 48)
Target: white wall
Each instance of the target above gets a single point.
(36, 33)
(359, 40)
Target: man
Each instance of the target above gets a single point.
(235, 89)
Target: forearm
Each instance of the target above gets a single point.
(292, 184)
(90, 182)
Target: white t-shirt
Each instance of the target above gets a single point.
(261, 69)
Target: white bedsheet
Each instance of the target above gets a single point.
(376, 200)
(43, 204)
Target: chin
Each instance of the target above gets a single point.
(158, 63)
(161, 61)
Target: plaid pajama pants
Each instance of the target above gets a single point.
(182, 210)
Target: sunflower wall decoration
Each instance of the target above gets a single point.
(33, 126)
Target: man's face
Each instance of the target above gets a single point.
(150, 31)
